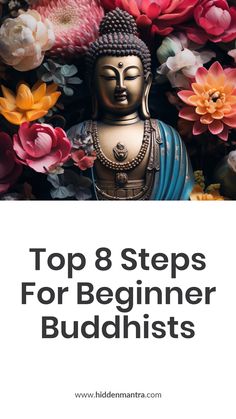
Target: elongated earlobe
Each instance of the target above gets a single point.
(144, 107)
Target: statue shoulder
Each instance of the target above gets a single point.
(169, 136)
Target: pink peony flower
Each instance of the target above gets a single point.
(216, 22)
(10, 170)
(82, 160)
(75, 24)
(158, 16)
(41, 147)
(211, 104)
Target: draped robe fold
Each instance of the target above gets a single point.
(174, 180)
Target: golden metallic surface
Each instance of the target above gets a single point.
(120, 98)
(119, 89)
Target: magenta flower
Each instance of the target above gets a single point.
(157, 16)
(41, 147)
(10, 169)
(216, 22)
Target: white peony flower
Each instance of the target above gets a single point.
(232, 53)
(24, 40)
(232, 160)
(179, 60)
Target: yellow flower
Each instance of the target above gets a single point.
(198, 193)
(28, 105)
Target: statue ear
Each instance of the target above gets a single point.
(144, 107)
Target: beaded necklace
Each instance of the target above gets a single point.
(129, 165)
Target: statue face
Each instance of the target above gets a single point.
(119, 84)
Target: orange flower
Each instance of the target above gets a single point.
(212, 101)
(198, 194)
(28, 105)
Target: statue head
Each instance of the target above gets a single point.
(119, 67)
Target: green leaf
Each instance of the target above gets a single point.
(68, 91)
(74, 80)
(58, 78)
(69, 70)
(46, 77)
(50, 66)
(54, 180)
(63, 192)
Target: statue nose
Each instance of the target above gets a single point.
(120, 89)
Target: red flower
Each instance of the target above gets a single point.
(41, 147)
(83, 161)
(216, 22)
(158, 16)
(10, 170)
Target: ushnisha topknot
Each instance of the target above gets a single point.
(118, 21)
(118, 38)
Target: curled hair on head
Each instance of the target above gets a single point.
(118, 38)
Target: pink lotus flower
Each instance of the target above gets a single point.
(10, 170)
(216, 22)
(158, 16)
(75, 24)
(212, 101)
(82, 160)
(41, 147)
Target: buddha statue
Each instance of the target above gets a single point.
(137, 158)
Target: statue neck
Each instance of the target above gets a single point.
(112, 119)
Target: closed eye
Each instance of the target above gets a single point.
(132, 77)
(108, 78)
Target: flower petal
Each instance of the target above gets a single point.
(231, 75)
(18, 147)
(143, 21)
(216, 127)
(33, 115)
(24, 98)
(206, 119)
(201, 110)
(189, 114)
(51, 88)
(230, 121)
(54, 98)
(14, 118)
(199, 128)
(224, 134)
(153, 11)
(38, 91)
(42, 165)
(184, 95)
(9, 95)
(184, 59)
(197, 88)
(201, 75)
(216, 70)
(6, 105)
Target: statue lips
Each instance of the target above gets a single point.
(120, 95)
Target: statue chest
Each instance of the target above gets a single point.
(123, 155)
(122, 150)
